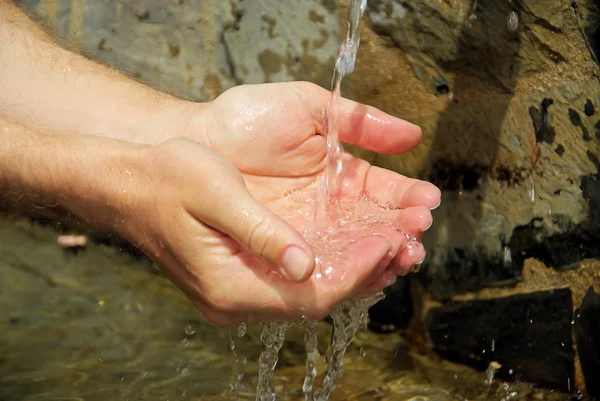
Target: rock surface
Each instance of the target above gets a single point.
(197, 49)
(529, 335)
(587, 334)
(508, 137)
(271, 42)
(529, 332)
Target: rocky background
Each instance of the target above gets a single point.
(507, 93)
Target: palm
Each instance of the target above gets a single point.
(271, 134)
(267, 134)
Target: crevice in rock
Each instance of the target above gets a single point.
(590, 32)
(448, 175)
(542, 123)
(238, 14)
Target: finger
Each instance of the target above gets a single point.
(233, 211)
(219, 198)
(413, 254)
(400, 191)
(317, 297)
(414, 220)
(388, 187)
(364, 126)
(398, 242)
(186, 281)
(420, 193)
(387, 278)
(365, 258)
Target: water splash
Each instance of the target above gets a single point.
(347, 320)
(272, 336)
(491, 372)
(239, 359)
(311, 342)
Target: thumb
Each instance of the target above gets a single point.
(231, 209)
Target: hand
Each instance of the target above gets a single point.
(189, 209)
(270, 133)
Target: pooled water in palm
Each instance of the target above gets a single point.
(337, 221)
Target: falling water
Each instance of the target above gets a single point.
(346, 215)
(347, 320)
(271, 336)
(344, 65)
(240, 361)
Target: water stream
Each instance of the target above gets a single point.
(344, 65)
(343, 215)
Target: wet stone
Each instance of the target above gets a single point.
(587, 335)
(528, 334)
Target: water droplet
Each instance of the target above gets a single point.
(184, 343)
(361, 352)
(491, 371)
(507, 257)
(532, 194)
(513, 21)
(241, 330)
(189, 330)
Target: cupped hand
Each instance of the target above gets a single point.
(210, 211)
(272, 133)
(235, 263)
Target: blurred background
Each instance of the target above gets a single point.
(506, 92)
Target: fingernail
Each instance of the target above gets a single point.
(387, 259)
(390, 279)
(295, 263)
(429, 225)
(420, 262)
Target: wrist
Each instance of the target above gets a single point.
(164, 119)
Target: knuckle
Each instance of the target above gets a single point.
(261, 237)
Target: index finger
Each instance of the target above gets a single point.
(364, 126)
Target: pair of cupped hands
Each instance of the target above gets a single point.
(207, 204)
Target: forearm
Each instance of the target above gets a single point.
(63, 176)
(46, 85)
